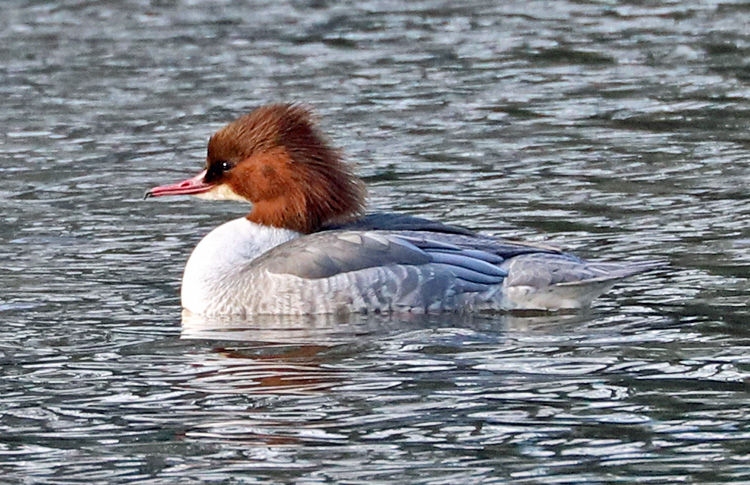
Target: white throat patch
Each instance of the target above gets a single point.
(221, 192)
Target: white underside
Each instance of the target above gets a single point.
(553, 297)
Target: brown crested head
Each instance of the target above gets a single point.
(276, 158)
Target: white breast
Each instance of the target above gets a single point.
(217, 263)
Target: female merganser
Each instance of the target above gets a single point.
(307, 248)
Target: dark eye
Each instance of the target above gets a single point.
(225, 166)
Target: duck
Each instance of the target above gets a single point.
(307, 246)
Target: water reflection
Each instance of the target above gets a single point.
(338, 329)
(320, 358)
(290, 354)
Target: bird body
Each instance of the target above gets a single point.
(307, 247)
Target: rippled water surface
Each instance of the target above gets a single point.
(614, 129)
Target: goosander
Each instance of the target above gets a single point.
(307, 247)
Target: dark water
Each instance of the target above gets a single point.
(614, 129)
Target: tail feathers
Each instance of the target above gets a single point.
(553, 282)
(613, 271)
